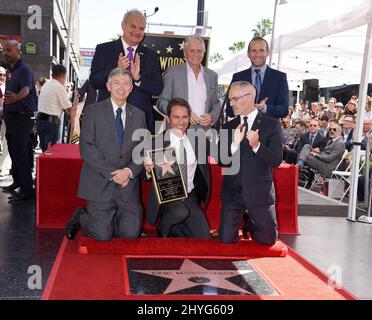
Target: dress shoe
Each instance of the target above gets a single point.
(160, 234)
(73, 226)
(22, 196)
(10, 188)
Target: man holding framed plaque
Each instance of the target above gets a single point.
(178, 163)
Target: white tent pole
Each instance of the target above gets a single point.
(359, 123)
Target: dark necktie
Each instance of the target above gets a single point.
(257, 84)
(311, 141)
(183, 164)
(245, 125)
(130, 57)
(119, 126)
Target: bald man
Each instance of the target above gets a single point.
(20, 104)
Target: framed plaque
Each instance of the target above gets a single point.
(166, 175)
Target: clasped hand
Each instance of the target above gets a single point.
(121, 177)
(252, 137)
(124, 63)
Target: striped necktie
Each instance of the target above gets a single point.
(183, 164)
(130, 57)
(119, 126)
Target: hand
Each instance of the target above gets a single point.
(238, 135)
(136, 68)
(10, 97)
(123, 61)
(195, 119)
(148, 164)
(121, 177)
(206, 120)
(253, 138)
(260, 106)
(316, 150)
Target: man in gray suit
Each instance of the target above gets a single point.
(324, 161)
(193, 83)
(109, 177)
(183, 218)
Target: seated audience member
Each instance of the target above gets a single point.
(351, 108)
(323, 123)
(330, 112)
(339, 108)
(367, 132)
(292, 148)
(182, 218)
(348, 131)
(109, 178)
(325, 161)
(287, 130)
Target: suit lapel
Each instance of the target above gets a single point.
(207, 81)
(266, 81)
(257, 122)
(110, 120)
(129, 127)
(185, 81)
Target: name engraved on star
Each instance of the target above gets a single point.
(166, 175)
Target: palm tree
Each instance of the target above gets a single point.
(263, 27)
(237, 46)
(215, 57)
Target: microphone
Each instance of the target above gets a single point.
(155, 11)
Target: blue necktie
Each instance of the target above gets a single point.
(130, 57)
(119, 126)
(257, 84)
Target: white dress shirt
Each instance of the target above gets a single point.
(197, 91)
(192, 163)
(53, 98)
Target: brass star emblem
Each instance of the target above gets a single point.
(169, 50)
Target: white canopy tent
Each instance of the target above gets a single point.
(336, 51)
(329, 50)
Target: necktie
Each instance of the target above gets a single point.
(119, 126)
(183, 159)
(130, 57)
(257, 84)
(311, 139)
(245, 125)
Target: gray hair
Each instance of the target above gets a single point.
(244, 84)
(194, 38)
(134, 11)
(119, 72)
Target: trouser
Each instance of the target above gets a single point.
(48, 133)
(18, 130)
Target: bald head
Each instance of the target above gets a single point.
(12, 51)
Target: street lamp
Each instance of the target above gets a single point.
(273, 31)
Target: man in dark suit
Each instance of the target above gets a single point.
(183, 218)
(127, 52)
(313, 137)
(256, 140)
(109, 177)
(348, 131)
(272, 96)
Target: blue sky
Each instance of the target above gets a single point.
(231, 20)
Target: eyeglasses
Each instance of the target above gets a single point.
(313, 125)
(333, 129)
(2, 74)
(237, 98)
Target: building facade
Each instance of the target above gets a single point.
(42, 27)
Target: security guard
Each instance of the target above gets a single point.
(20, 105)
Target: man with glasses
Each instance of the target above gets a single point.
(325, 161)
(348, 131)
(256, 140)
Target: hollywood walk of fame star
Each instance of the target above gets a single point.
(192, 275)
(166, 166)
(169, 50)
(182, 45)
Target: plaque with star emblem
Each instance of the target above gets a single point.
(194, 276)
(166, 175)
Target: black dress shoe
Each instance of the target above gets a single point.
(22, 196)
(10, 188)
(73, 226)
(160, 234)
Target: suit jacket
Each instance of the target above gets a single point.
(274, 87)
(331, 156)
(255, 177)
(176, 86)
(319, 141)
(99, 148)
(106, 59)
(349, 140)
(201, 178)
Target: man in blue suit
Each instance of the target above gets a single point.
(128, 53)
(271, 85)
